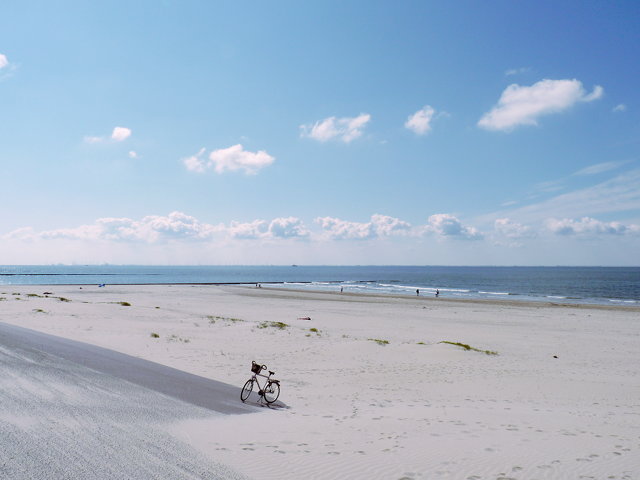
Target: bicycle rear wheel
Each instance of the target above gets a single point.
(246, 390)
(271, 392)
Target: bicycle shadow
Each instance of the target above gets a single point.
(256, 400)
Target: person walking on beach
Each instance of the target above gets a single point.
(437, 292)
(417, 292)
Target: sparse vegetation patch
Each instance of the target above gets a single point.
(278, 325)
(379, 341)
(154, 335)
(214, 318)
(468, 347)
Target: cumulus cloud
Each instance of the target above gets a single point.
(512, 230)
(523, 105)
(380, 225)
(195, 163)
(621, 107)
(176, 226)
(282, 228)
(590, 226)
(236, 158)
(3, 61)
(133, 154)
(232, 159)
(420, 122)
(448, 226)
(250, 230)
(120, 133)
(289, 227)
(345, 129)
(149, 229)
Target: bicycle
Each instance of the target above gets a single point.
(270, 390)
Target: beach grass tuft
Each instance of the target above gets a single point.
(379, 341)
(469, 347)
(124, 304)
(214, 318)
(154, 335)
(278, 325)
(63, 299)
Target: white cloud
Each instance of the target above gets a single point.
(445, 225)
(93, 139)
(523, 105)
(282, 228)
(120, 133)
(619, 194)
(512, 230)
(342, 229)
(289, 227)
(251, 230)
(150, 229)
(133, 154)
(517, 71)
(380, 225)
(194, 163)
(621, 107)
(600, 168)
(232, 158)
(385, 225)
(156, 229)
(420, 122)
(3, 61)
(236, 158)
(590, 226)
(346, 129)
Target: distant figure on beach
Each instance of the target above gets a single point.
(341, 289)
(417, 292)
(437, 292)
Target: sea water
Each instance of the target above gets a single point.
(583, 285)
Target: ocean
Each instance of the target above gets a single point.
(575, 285)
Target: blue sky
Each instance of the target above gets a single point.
(361, 132)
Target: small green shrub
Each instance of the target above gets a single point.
(314, 330)
(379, 341)
(124, 304)
(155, 335)
(39, 310)
(62, 299)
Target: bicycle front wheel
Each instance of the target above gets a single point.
(246, 390)
(271, 392)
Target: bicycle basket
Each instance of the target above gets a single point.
(255, 368)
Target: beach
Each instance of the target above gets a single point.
(389, 387)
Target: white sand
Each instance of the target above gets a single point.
(413, 408)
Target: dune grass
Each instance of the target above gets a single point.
(470, 348)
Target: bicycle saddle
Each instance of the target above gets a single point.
(271, 373)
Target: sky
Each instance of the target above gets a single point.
(324, 133)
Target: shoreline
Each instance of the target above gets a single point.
(370, 295)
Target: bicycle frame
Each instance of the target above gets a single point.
(255, 376)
